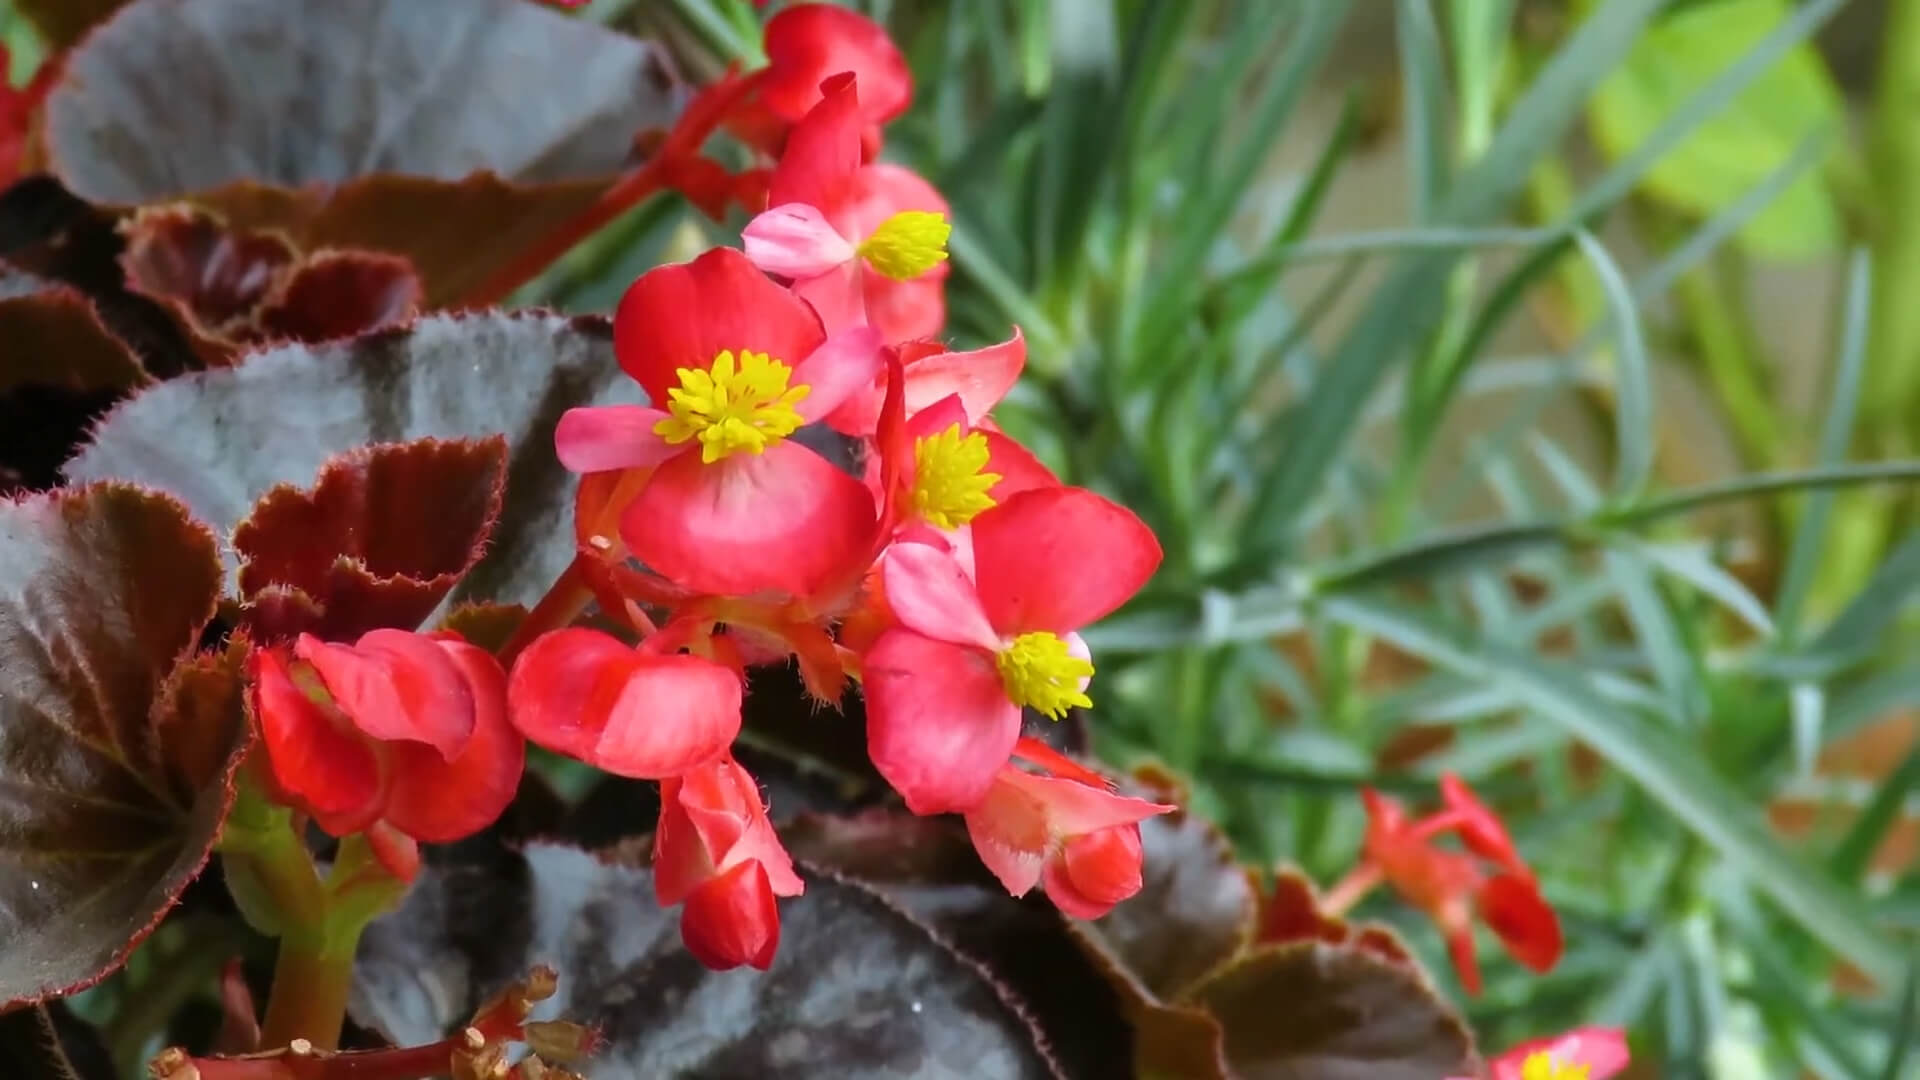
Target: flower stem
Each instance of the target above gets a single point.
(1350, 890)
(310, 981)
(626, 193)
(565, 599)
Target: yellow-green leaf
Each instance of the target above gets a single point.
(1740, 145)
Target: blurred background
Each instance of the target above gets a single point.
(1524, 389)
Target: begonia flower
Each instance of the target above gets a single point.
(949, 471)
(399, 730)
(864, 244)
(930, 373)
(631, 712)
(1452, 887)
(734, 365)
(945, 686)
(807, 44)
(716, 852)
(1068, 833)
(1591, 1053)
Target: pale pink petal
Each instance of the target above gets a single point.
(939, 725)
(905, 310)
(795, 241)
(835, 297)
(845, 364)
(930, 595)
(981, 377)
(1073, 808)
(1009, 831)
(606, 437)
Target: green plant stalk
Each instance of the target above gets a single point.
(310, 983)
(1893, 333)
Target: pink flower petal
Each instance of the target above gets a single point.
(439, 801)
(785, 520)
(1603, 1051)
(1016, 467)
(1059, 558)
(795, 240)
(835, 297)
(603, 438)
(396, 685)
(674, 713)
(314, 757)
(905, 310)
(562, 687)
(939, 725)
(929, 594)
(846, 362)
(1074, 809)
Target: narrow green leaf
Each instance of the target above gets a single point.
(1668, 770)
(1425, 99)
(1858, 628)
(1852, 855)
(1836, 433)
(1633, 375)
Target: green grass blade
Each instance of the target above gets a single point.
(1836, 433)
(1669, 771)
(1854, 852)
(1425, 100)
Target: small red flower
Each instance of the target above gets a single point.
(864, 244)
(1489, 878)
(931, 374)
(947, 470)
(807, 44)
(987, 629)
(402, 730)
(1069, 833)
(716, 851)
(739, 365)
(1591, 1053)
(629, 711)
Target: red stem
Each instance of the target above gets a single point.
(568, 596)
(1349, 890)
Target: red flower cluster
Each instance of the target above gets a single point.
(1581, 1054)
(947, 569)
(1488, 878)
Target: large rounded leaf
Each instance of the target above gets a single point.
(455, 132)
(858, 988)
(221, 439)
(117, 745)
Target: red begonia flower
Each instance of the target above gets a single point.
(946, 470)
(1452, 886)
(807, 44)
(930, 374)
(864, 244)
(635, 713)
(734, 365)
(1071, 834)
(716, 851)
(945, 687)
(398, 729)
(1591, 1053)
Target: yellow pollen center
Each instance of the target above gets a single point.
(734, 406)
(1541, 1065)
(908, 244)
(1039, 673)
(949, 484)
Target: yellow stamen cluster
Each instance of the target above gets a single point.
(949, 482)
(733, 406)
(1039, 673)
(908, 244)
(1541, 1065)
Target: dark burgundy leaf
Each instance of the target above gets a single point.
(927, 865)
(116, 754)
(221, 439)
(50, 335)
(334, 294)
(1196, 907)
(454, 132)
(49, 232)
(1333, 1012)
(47, 1042)
(216, 277)
(859, 989)
(380, 539)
